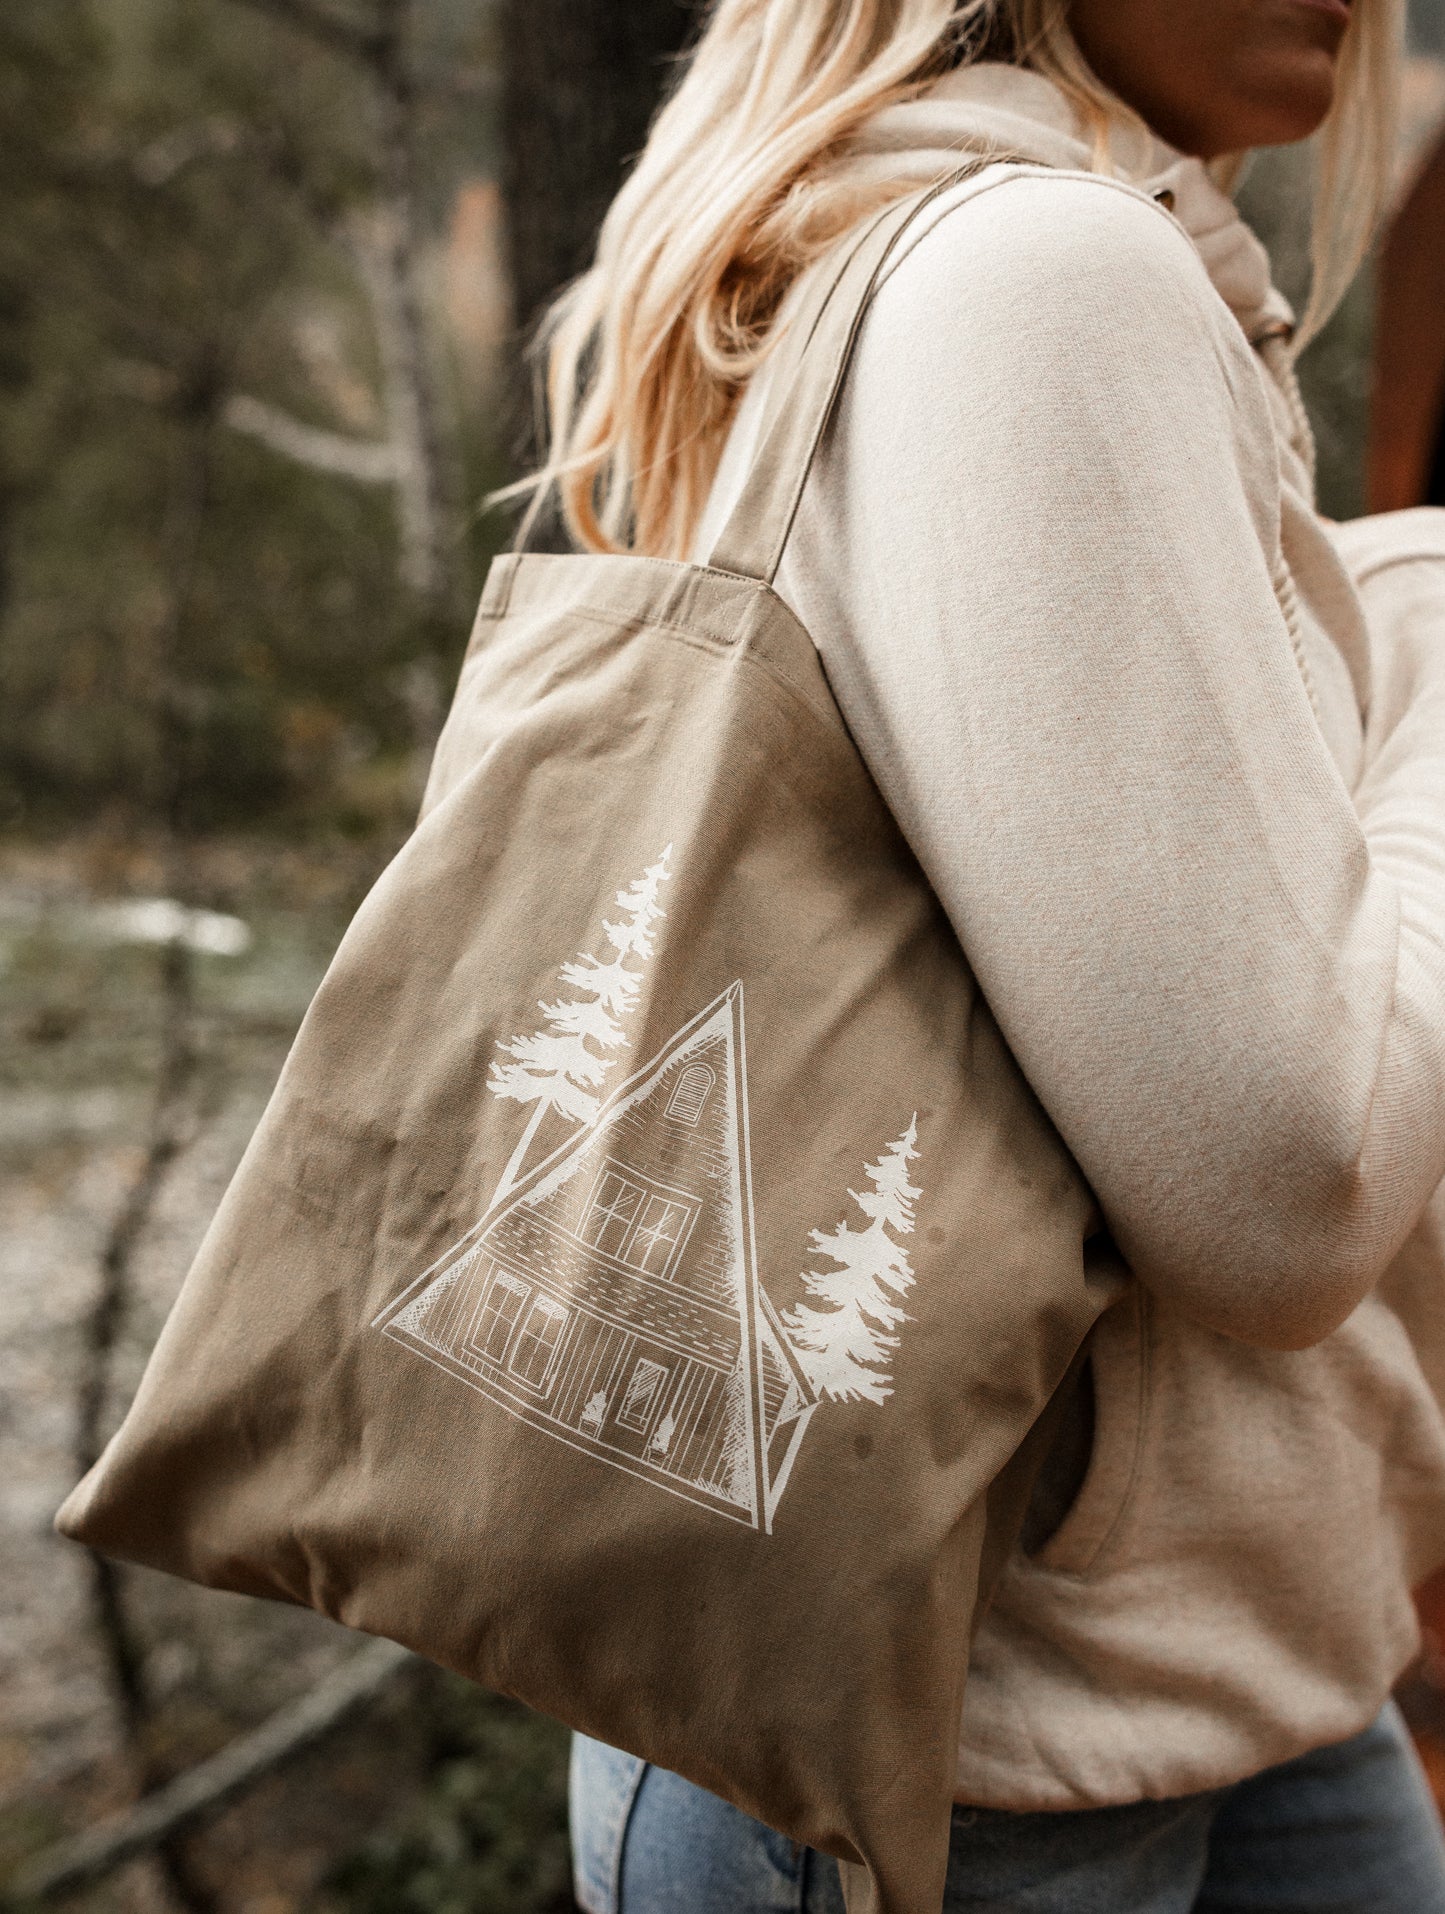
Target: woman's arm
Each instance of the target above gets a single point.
(1038, 556)
(1397, 563)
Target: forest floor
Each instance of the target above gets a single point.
(435, 1797)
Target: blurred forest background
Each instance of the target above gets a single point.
(265, 270)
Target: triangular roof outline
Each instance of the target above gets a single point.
(640, 1081)
(754, 1307)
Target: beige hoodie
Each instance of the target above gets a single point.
(1172, 752)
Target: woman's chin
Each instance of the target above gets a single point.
(1288, 106)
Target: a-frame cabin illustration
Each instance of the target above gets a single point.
(612, 1297)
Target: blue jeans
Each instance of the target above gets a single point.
(1349, 1829)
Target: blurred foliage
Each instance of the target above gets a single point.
(488, 1834)
(177, 178)
(180, 173)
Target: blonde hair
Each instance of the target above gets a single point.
(746, 180)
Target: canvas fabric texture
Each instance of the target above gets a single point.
(641, 1289)
(1171, 750)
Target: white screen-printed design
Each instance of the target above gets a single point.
(844, 1344)
(610, 1295)
(561, 1066)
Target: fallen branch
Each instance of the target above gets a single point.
(203, 1790)
(167, 1137)
(370, 461)
(171, 1129)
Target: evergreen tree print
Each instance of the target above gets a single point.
(562, 1066)
(844, 1335)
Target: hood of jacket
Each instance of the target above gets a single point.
(992, 107)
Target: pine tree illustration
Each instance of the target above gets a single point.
(562, 1066)
(843, 1338)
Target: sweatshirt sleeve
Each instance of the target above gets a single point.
(1040, 553)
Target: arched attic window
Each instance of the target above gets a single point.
(690, 1093)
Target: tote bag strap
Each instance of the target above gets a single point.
(807, 379)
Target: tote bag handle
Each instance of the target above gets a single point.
(806, 382)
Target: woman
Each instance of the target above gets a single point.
(1172, 753)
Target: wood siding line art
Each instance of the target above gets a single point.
(610, 1297)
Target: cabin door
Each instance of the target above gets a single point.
(639, 1422)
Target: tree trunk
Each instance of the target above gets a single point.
(580, 83)
(415, 405)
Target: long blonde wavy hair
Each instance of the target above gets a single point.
(746, 180)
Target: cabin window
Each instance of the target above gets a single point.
(535, 1355)
(660, 1228)
(615, 1206)
(642, 1393)
(690, 1093)
(500, 1309)
(637, 1221)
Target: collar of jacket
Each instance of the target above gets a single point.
(995, 107)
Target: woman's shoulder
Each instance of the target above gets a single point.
(1065, 320)
(1039, 245)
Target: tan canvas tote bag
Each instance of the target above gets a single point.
(651, 1262)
